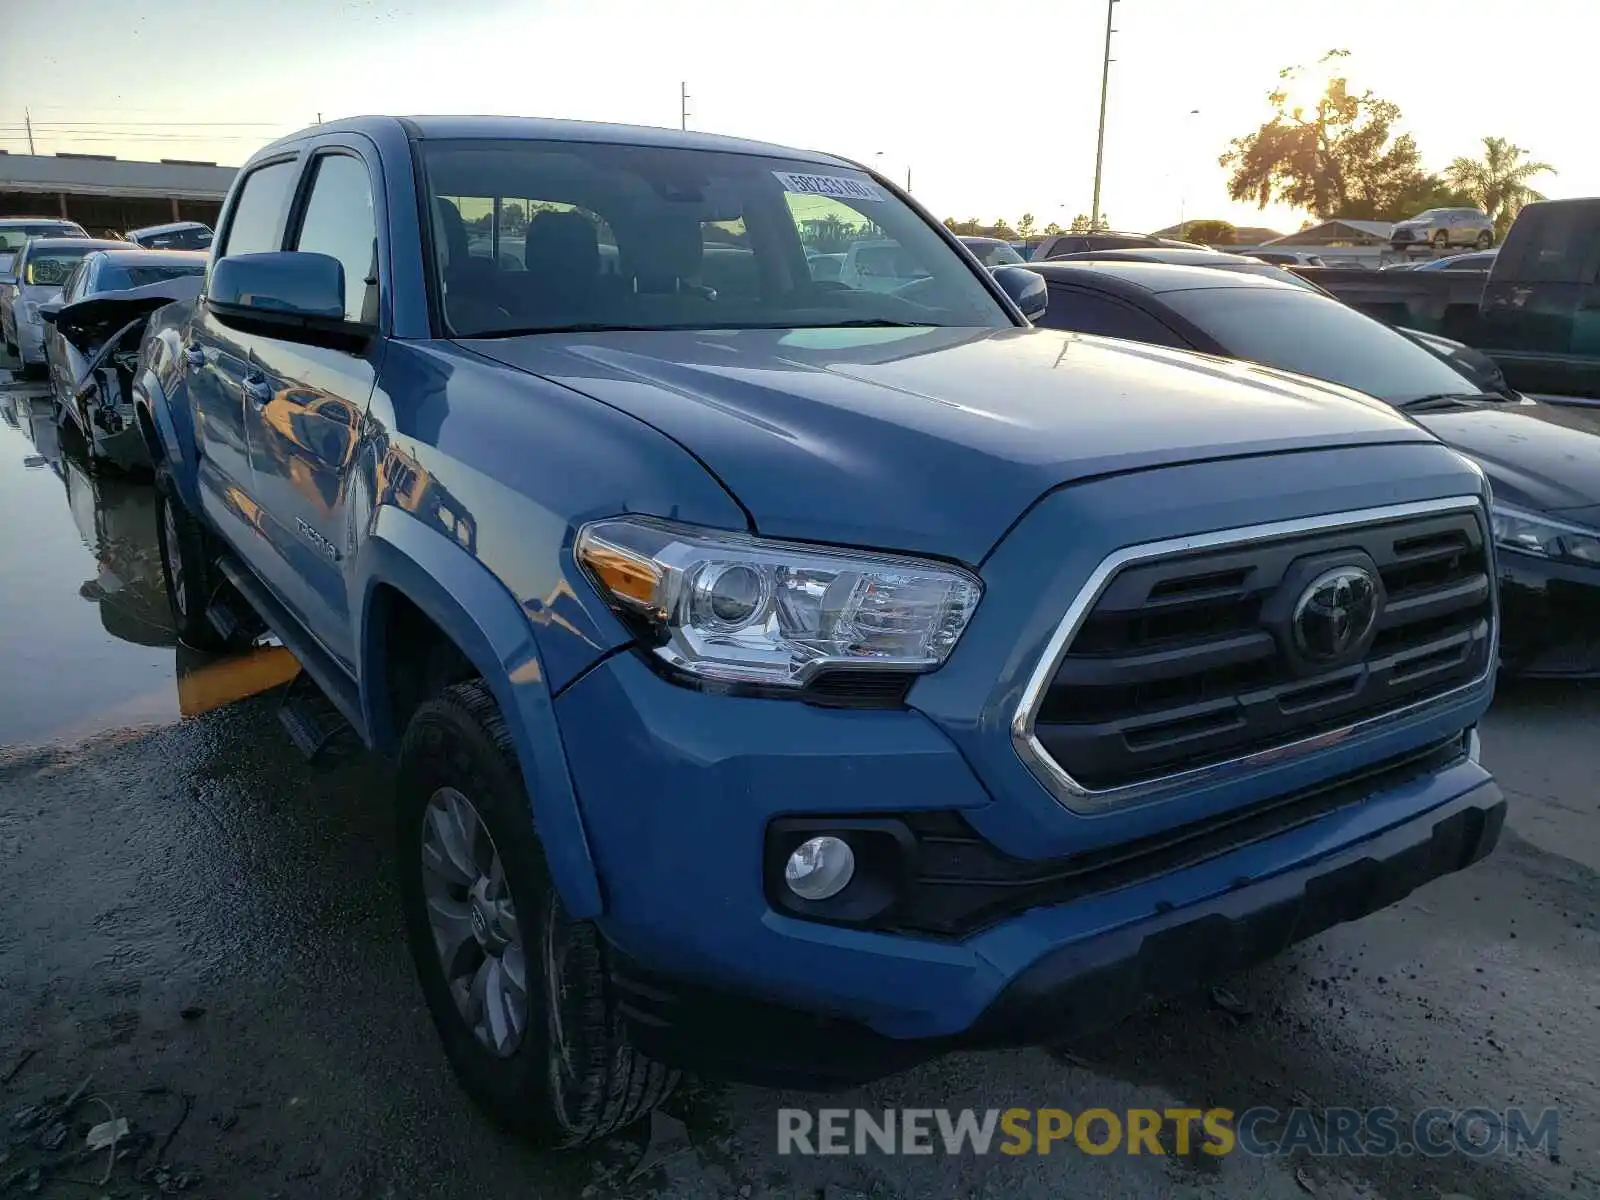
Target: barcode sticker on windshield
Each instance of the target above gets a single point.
(840, 187)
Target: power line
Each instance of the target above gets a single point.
(163, 124)
(19, 132)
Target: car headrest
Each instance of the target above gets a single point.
(451, 231)
(561, 247)
(661, 254)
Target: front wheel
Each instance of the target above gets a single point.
(1485, 240)
(1441, 240)
(188, 565)
(520, 993)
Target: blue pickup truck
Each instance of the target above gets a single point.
(787, 680)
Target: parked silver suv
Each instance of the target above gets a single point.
(1443, 228)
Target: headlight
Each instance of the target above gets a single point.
(739, 609)
(1529, 533)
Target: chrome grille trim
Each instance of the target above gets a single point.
(1078, 798)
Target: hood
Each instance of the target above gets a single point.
(1542, 457)
(88, 322)
(936, 440)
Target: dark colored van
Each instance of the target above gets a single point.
(1540, 313)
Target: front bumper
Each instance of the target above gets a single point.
(1550, 617)
(678, 790)
(1078, 988)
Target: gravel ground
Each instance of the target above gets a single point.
(200, 935)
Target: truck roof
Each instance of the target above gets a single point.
(424, 128)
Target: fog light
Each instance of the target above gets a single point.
(820, 867)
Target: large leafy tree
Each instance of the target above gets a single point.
(1498, 182)
(1331, 155)
(1211, 233)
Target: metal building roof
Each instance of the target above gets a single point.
(94, 176)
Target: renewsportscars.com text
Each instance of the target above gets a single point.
(1260, 1131)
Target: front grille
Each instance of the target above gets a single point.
(1189, 660)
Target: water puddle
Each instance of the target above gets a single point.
(86, 638)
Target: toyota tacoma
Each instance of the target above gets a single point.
(791, 680)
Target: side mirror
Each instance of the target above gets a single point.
(292, 294)
(1027, 289)
(49, 310)
(7, 279)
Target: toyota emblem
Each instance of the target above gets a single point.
(1335, 613)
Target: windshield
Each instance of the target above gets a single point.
(50, 268)
(531, 236)
(113, 278)
(177, 239)
(13, 236)
(1314, 335)
(993, 254)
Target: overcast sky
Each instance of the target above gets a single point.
(993, 106)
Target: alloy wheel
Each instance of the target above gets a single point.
(169, 530)
(473, 918)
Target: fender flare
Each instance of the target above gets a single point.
(175, 432)
(474, 609)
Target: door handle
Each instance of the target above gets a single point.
(257, 389)
(195, 356)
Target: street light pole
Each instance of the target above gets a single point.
(879, 155)
(1183, 191)
(1100, 140)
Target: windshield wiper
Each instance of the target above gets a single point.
(1441, 400)
(877, 323)
(574, 327)
(602, 327)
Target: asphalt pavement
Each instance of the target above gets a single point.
(199, 934)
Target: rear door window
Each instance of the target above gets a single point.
(258, 215)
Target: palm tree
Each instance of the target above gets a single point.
(1498, 181)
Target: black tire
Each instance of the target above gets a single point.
(11, 350)
(190, 576)
(1485, 240)
(1441, 240)
(459, 740)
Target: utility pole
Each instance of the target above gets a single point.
(683, 105)
(27, 118)
(908, 181)
(1100, 141)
